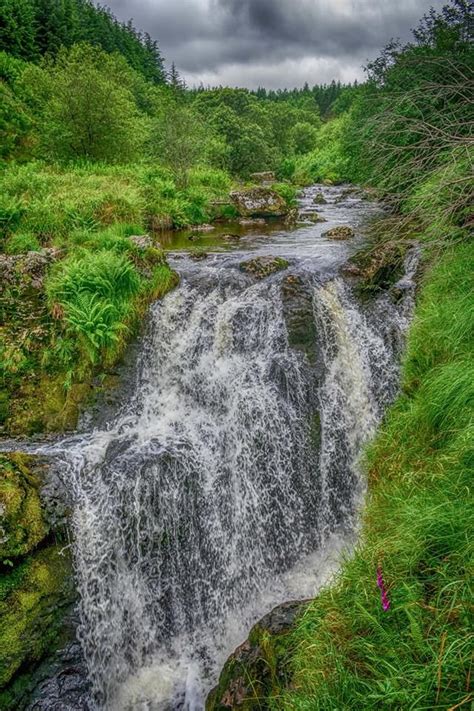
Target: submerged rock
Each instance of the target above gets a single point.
(259, 202)
(251, 221)
(319, 199)
(231, 237)
(340, 233)
(250, 671)
(203, 228)
(313, 217)
(261, 267)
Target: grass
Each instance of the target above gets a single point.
(345, 651)
(49, 202)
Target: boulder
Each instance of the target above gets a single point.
(259, 202)
(292, 217)
(340, 233)
(261, 267)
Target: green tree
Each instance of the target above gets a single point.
(303, 137)
(87, 109)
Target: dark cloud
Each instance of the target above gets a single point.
(274, 42)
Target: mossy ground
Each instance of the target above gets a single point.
(35, 574)
(33, 597)
(23, 525)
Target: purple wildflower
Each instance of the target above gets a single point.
(383, 593)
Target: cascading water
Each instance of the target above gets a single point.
(229, 474)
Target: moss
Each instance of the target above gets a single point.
(32, 599)
(23, 526)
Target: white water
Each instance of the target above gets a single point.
(207, 499)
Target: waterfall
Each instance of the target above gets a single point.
(231, 463)
(227, 479)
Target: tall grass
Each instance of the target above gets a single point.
(346, 652)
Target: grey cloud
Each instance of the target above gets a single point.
(243, 41)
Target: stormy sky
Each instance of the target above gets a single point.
(272, 43)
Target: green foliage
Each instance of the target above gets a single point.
(32, 28)
(412, 122)
(328, 161)
(93, 292)
(85, 106)
(22, 242)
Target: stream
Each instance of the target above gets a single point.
(225, 480)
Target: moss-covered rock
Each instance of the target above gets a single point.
(33, 597)
(342, 232)
(255, 668)
(259, 202)
(261, 267)
(22, 524)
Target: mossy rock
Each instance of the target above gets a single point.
(380, 267)
(261, 267)
(22, 525)
(33, 597)
(256, 668)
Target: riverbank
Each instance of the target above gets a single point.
(410, 649)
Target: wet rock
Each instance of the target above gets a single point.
(342, 232)
(141, 241)
(292, 216)
(297, 301)
(261, 267)
(319, 199)
(265, 177)
(381, 267)
(199, 256)
(251, 670)
(194, 237)
(313, 217)
(259, 202)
